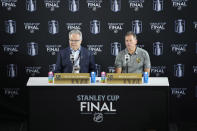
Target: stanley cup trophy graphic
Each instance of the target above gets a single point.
(31, 5)
(32, 48)
(10, 27)
(52, 67)
(157, 48)
(115, 5)
(12, 70)
(95, 27)
(179, 70)
(180, 26)
(98, 70)
(158, 5)
(73, 5)
(53, 27)
(137, 26)
(115, 48)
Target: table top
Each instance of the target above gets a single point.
(43, 81)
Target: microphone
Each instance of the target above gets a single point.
(127, 59)
(72, 58)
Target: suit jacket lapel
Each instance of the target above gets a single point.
(67, 53)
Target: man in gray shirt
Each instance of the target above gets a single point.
(132, 59)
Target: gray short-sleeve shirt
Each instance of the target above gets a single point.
(138, 61)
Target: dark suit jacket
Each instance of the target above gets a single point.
(64, 65)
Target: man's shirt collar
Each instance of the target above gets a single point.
(75, 50)
(136, 51)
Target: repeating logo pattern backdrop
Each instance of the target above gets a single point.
(33, 31)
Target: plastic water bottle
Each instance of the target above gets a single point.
(93, 77)
(50, 77)
(145, 77)
(103, 77)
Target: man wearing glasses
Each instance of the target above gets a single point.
(75, 58)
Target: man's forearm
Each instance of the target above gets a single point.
(118, 70)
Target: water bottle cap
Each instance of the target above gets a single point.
(145, 72)
(50, 72)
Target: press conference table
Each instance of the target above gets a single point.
(99, 106)
(43, 81)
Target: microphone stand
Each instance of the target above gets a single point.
(127, 67)
(72, 61)
(127, 61)
(72, 66)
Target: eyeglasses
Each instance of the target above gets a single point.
(74, 40)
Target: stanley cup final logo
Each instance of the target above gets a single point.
(178, 48)
(12, 70)
(136, 4)
(158, 5)
(95, 26)
(157, 48)
(158, 27)
(115, 48)
(10, 26)
(179, 4)
(180, 26)
(52, 67)
(179, 70)
(115, 5)
(158, 70)
(11, 92)
(31, 27)
(53, 49)
(73, 5)
(53, 27)
(32, 48)
(98, 105)
(9, 4)
(52, 4)
(98, 70)
(115, 27)
(137, 26)
(11, 49)
(31, 5)
(179, 92)
(33, 70)
(94, 4)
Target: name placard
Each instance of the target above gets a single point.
(71, 78)
(124, 78)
